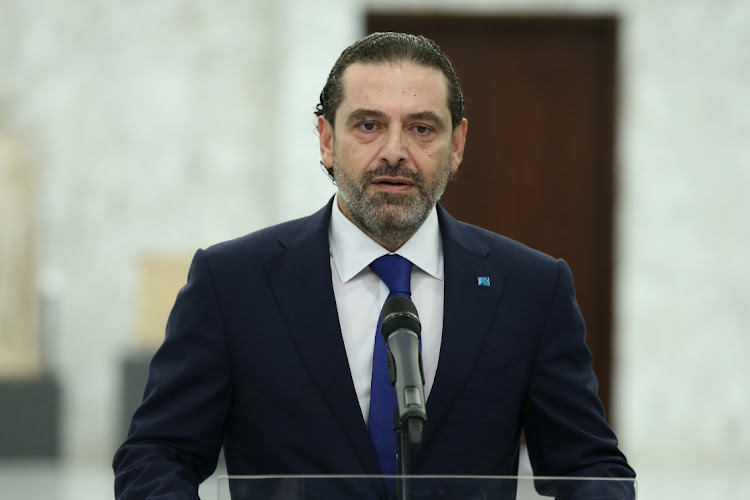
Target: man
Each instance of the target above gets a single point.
(269, 347)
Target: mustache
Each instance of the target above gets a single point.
(398, 170)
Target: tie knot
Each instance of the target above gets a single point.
(395, 272)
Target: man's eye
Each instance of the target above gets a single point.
(367, 126)
(422, 129)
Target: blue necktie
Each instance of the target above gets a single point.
(395, 271)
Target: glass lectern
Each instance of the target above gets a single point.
(424, 488)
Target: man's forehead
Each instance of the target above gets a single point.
(358, 78)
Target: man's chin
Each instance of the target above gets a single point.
(400, 216)
(394, 207)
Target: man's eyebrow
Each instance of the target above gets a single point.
(364, 114)
(428, 116)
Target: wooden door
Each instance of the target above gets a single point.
(540, 100)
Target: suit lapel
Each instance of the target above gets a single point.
(468, 312)
(300, 279)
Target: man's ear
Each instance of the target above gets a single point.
(325, 135)
(459, 142)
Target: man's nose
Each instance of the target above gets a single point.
(394, 149)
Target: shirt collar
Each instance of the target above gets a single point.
(352, 250)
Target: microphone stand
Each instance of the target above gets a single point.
(408, 440)
(401, 329)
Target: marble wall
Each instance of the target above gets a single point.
(152, 125)
(159, 127)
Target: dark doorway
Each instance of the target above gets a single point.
(539, 160)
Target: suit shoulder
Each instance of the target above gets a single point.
(507, 248)
(263, 241)
(242, 259)
(519, 263)
(270, 241)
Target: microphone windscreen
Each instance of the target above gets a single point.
(399, 312)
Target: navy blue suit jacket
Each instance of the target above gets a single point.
(254, 361)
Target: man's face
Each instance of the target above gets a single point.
(393, 149)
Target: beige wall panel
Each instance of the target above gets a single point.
(19, 349)
(161, 277)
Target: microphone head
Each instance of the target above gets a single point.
(398, 313)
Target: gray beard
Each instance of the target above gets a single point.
(388, 218)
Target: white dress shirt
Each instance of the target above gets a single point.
(360, 294)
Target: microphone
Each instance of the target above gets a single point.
(401, 328)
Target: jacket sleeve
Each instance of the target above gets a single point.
(564, 423)
(175, 435)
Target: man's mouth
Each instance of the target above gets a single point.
(393, 183)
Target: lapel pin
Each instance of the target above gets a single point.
(483, 280)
